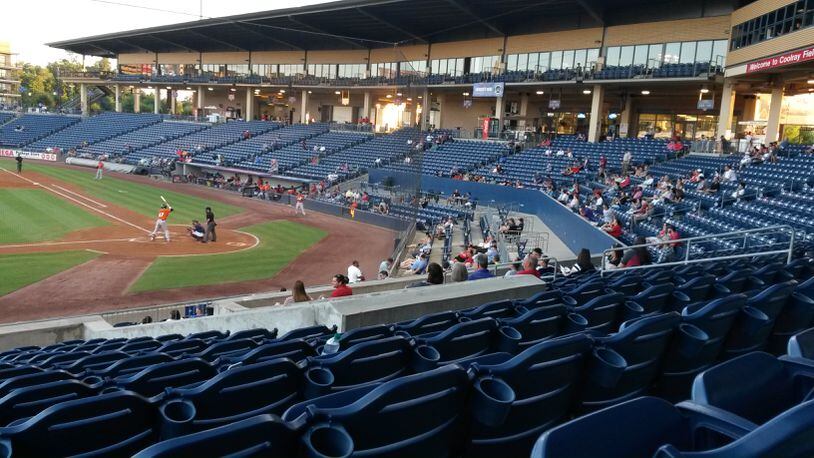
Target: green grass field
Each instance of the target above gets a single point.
(137, 197)
(280, 243)
(35, 215)
(19, 270)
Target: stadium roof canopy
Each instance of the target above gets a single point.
(367, 24)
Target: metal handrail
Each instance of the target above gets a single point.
(688, 242)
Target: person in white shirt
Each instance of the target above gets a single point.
(354, 273)
(626, 161)
(730, 175)
(738, 193)
(648, 181)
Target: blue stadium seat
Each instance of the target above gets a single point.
(155, 379)
(801, 345)
(472, 338)
(604, 313)
(641, 343)
(515, 401)
(751, 389)
(22, 403)
(754, 326)
(294, 349)
(544, 323)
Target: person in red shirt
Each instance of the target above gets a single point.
(100, 167)
(614, 229)
(529, 267)
(466, 256)
(340, 284)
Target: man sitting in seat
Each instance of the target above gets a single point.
(196, 231)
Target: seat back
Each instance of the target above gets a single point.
(802, 345)
(153, 380)
(603, 312)
(697, 288)
(294, 349)
(544, 323)
(654, 298)
(463, 340)
(497, 309)
(753, 327)
(29, 401)
(428, 324)
(587, 291)
(367, 333)
(543, 380)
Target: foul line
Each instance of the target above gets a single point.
(79, 195)
(77, 201)
(76, 242)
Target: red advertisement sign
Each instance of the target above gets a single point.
(789, 58)
(485, 129)
(28, 155)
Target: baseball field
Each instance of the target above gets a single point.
(71, 244)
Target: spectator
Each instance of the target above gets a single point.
(614, 229)
(435, 276)
(491, 252)
(584, 264)
(483, 268)
(340, 284)
(638, 256)
(615, 256)
(459, 272)
(385, 267)
(355, 273)
(729, 174)
(298, 294)
(419, 265)
(175, 315)
(529, 266)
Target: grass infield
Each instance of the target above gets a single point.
(280, 243)
(19, 270)
(140, 198)
(35, 215)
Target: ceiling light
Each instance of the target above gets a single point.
(232, 89)
(189, 88)
(420, 96)
(149, 87)
(389, 96)
(169, 87)
(466, 94)
(581, 116)
(398, 94)
(337, 92)
(310, 92)
(409, 99)
(586, 91)
(540, 92)
(811, 81)
(704, 90)
(282, 91)
(210, 89)
(645, 92)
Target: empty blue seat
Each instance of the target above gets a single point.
(736, 280)
(604, 313)
(545, 323)
(258, 436)
(26, 402)
(308, 333)
(364, 334)
(641, 343)
(429, 324)
(654, 299)
(131, 365)
(801, 345)
(697, 343)
(472, 338)
(153, 380)
(36, 378)
(497, 309)
(259, 335)
(753, 327)
(796, 316)
(236, 394)
(515, 401)
(751, 389)
(113, 424)
(294, 349)
(416, 415)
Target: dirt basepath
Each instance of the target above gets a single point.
(101, 284)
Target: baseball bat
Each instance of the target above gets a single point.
(165, 201)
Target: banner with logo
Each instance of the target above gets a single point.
(789, 58)
(488, 89)
(28, 155)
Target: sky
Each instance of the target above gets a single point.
(58, 20)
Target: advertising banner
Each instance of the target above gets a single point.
(28, 155)
(488, 90)
(789, 58)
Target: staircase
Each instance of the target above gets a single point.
(94, 93)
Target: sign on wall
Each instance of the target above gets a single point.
(554, 104)
(789, 58)
(28, 155)
(488, 89)
(706, 104)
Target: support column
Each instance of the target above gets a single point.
(136, 100)
(366, 106)
(83, 99)
(425, 109)
(499, 114)
(171, 94)
(524, 108)
(727, 106)
(597, 104)
(117, 91)
(249, 104)
(157, 101)
(200, 101)
(304, 107)
(773, 123)
(624, 118)
(441, 105)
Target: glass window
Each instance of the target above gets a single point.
(545, 60)
(640, 55)
(687, 52)
(654, 55)
(593, 56)
(626, 56)
(703, 51)
(567, 59)
(523, 62)
(613, 56)
(556, 60)
(672, 51)
(579, 57)
(719, 52)
(511, 62)
(534, 62)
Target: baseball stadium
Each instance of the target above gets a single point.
(463, 228)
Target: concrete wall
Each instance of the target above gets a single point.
(708, 28)
(399, 53)
(555, 41)
(453, 113)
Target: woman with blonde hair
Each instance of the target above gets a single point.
(298, 294)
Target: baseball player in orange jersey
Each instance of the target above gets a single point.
(161, 222)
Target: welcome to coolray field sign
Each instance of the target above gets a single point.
(789, 58)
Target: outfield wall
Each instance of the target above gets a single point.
(573, 230)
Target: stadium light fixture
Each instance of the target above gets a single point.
(645, 92)
(169, 87)
(210, 89)
(704, 90)
(540, 92)
(189, 88)
(232, 89)
(409, 99)
(586, 91)
(466, 94)
(420, 96)
(398, 94)
(149, 87)
(581, 116)
(389, 96)
(337, 92)
(282, 91)
(310, 92)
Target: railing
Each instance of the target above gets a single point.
(398, 252)
(742, 237)
(349, 127)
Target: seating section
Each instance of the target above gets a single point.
(485, 381)
(143, 138)
(456, 157)
(5, 117)
(95, 129)
(30, 128)
(204, 141)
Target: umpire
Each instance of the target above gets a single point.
(210, 226)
